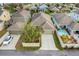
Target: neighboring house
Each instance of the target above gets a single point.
(18, 21)
(4, 16)
(61, 20)
(34, 8)
(53, 8)
(43, 7)
(26, 6)
(74, 15)
(16, 28)
(20, 16)
(43, 20)
(73, 29)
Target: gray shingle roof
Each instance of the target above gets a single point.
(62, 19)
(16, 27)
(1, 11)
(20, 16)
(74, 26)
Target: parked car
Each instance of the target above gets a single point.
(7, 40)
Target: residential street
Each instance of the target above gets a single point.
(40, 53)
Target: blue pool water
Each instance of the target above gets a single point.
(62, 32)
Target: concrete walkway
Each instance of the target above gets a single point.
(48, 42)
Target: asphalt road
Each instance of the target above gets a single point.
(41, 53)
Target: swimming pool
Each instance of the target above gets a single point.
(62, 32)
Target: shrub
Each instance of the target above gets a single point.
(31, 33)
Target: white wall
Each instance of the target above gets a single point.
(1, 26)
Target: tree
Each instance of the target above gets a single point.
(11, 7)
(31, 33)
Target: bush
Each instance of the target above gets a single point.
(31, 34)
(57, 42)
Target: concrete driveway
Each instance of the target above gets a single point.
(3, 37)
(12, 44)
(48, 42)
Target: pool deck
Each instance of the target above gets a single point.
(62, 32)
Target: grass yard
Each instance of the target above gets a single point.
(3, 32)
(19, 47)
(56, 40)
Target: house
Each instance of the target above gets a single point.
(74, 15)
(43, 20)
(4, 16)
(53, 8)
(73, 29)
(61, 20)
(26, 6)
(16, 28)
(34, 7)
(18, 21)
(20, 16)
(43, 7)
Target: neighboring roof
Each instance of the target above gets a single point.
(33, 7)
(1, 11)
(76, 11)
(74, 26)
(62, 19)
(16, 14)
(22, 13)
(41, 14)
(43, 6)
(53, 8)
(16, 27)
(48, 26)
(74, 16)
(43, 20)
(5, 15)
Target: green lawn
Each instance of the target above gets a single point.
(3, 32)
(19, 46)
(56, 40)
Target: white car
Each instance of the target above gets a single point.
(7, 40)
